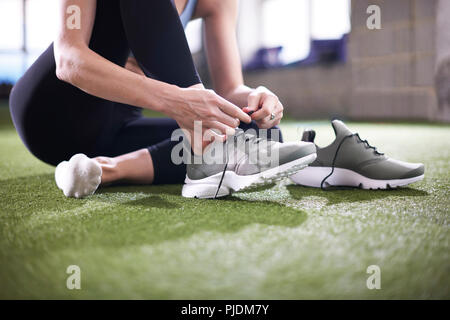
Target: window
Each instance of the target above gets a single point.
(10, 25)
(286, 24)
(41, 24)
(290, 24)
(18, 47)
(330, 19)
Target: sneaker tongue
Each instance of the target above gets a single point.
(340, 129)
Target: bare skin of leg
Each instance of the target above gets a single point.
(135, 167)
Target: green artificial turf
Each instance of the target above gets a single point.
(284, 242)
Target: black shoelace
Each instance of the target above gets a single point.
(223, 174)
(235, 137)
(365, 142)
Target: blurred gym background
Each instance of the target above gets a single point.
(317, 55)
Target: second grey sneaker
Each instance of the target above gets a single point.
(243, 162)
(351, 162)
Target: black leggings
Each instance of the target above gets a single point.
(56, 120)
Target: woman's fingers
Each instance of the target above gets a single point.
(220, 127)
(253, 102)
(226, 119)
(233, 111)
(269, 105)
(267, 122)
(211, 135)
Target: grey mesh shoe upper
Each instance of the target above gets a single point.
(357, 155)
(246, 154)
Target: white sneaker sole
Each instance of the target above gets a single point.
(206, 188)
(313, 176)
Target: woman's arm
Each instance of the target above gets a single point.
(85, 69)
(224, 63)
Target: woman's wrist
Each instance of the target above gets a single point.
(169, 97)
(176, 98)
(161, 97)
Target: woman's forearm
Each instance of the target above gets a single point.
(97, 76)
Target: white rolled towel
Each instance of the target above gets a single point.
(79, 177)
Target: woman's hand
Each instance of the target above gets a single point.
(218, 116)
(267, 108)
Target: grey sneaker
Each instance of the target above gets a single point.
(350, 161)
(243, 162)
